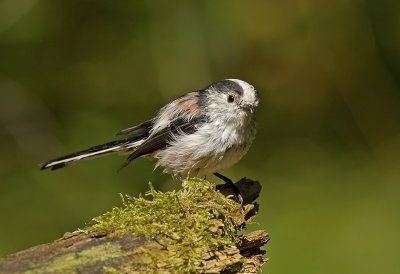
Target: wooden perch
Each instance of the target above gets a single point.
(173, 243)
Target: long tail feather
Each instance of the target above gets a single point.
(100, 150)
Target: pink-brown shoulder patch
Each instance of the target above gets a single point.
(189, 104)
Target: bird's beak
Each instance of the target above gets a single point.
(248, 108)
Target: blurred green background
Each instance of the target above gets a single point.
(72, 73)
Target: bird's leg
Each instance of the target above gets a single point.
(231, 185)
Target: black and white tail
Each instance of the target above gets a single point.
(119, 146)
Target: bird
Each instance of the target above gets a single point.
(197, 134)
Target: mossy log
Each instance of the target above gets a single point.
(194, 229)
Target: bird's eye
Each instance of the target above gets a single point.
(231, 98)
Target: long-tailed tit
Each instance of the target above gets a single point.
(197, 134)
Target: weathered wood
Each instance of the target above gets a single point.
(88, 252)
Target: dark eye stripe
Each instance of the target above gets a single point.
(227, 86)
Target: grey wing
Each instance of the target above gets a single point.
(138, 130)
(161, 138)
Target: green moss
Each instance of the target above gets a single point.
(185, 222)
